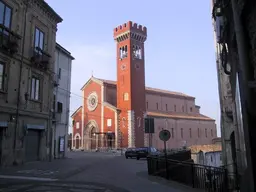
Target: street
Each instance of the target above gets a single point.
(85, 171)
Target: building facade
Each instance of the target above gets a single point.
(61, 100)
(113, 112)
(210, 155)
(27, 48)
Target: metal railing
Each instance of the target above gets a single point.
(212, 179)
(8, 40)
(40, 58)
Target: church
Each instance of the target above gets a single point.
(112, 113)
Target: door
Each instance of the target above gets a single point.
(1, 143)
(32, 145)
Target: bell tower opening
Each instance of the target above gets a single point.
(130, 38)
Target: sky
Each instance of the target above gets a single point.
(179, 50)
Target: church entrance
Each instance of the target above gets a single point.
(91, 138)
(77, 142)
(110, 140)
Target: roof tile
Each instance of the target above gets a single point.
(150, 89)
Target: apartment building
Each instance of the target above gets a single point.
(61, 100)
(27, 54)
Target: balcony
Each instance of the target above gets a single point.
(40, 59)
(9, 41)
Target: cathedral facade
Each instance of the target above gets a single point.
(112, 113)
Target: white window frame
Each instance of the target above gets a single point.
(35, 88)
(77, 125)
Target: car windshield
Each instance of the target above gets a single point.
(153, 149)
(130, 149)
(142, 149)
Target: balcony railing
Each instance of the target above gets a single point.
(9, 41)
(40, 59)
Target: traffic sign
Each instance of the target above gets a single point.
(164, 135)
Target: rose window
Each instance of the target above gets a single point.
(92, 101)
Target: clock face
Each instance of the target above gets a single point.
(123, 66)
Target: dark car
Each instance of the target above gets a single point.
(130, 153)
(143, 152)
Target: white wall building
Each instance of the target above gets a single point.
(213, 158)
(63, 65)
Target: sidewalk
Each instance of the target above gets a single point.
(56, 169)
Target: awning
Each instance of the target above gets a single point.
(3, 124)
(36, 127)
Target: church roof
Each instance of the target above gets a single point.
(78, 109)
(150, 89)
(180, 116)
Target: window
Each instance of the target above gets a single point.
(54, 102)
(156, 105)
(5, 16)
(59, 107)
(166, 107)
(147, 104)
(182, 108)
(175, 108)
(220, 157)
(77, 125)
(59, 73)
(35, 88)
(205, 132)
(109, 122)
(198, 132)
(172, 133)
(181, 132)
(2, 76)
(126, 96)
(39, 41)
(137, 52)
(191, 109)
(123, 52)
(190, 132)
(211, 133)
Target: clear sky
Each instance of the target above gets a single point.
(179, 50)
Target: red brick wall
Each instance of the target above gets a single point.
(96, 114)
(109, 114)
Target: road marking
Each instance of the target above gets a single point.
(26, 178)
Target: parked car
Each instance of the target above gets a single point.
(143, 152)
(130, 153)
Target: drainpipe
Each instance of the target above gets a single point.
(244, 90)
(19, 85)
(56, 101)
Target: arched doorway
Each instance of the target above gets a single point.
(90, 136)
(77, 142)
(93, 137)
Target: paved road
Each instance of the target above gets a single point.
(84, 171)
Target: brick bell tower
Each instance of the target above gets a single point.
(131, 101)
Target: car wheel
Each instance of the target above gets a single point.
(126, 157)
(138, 158)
